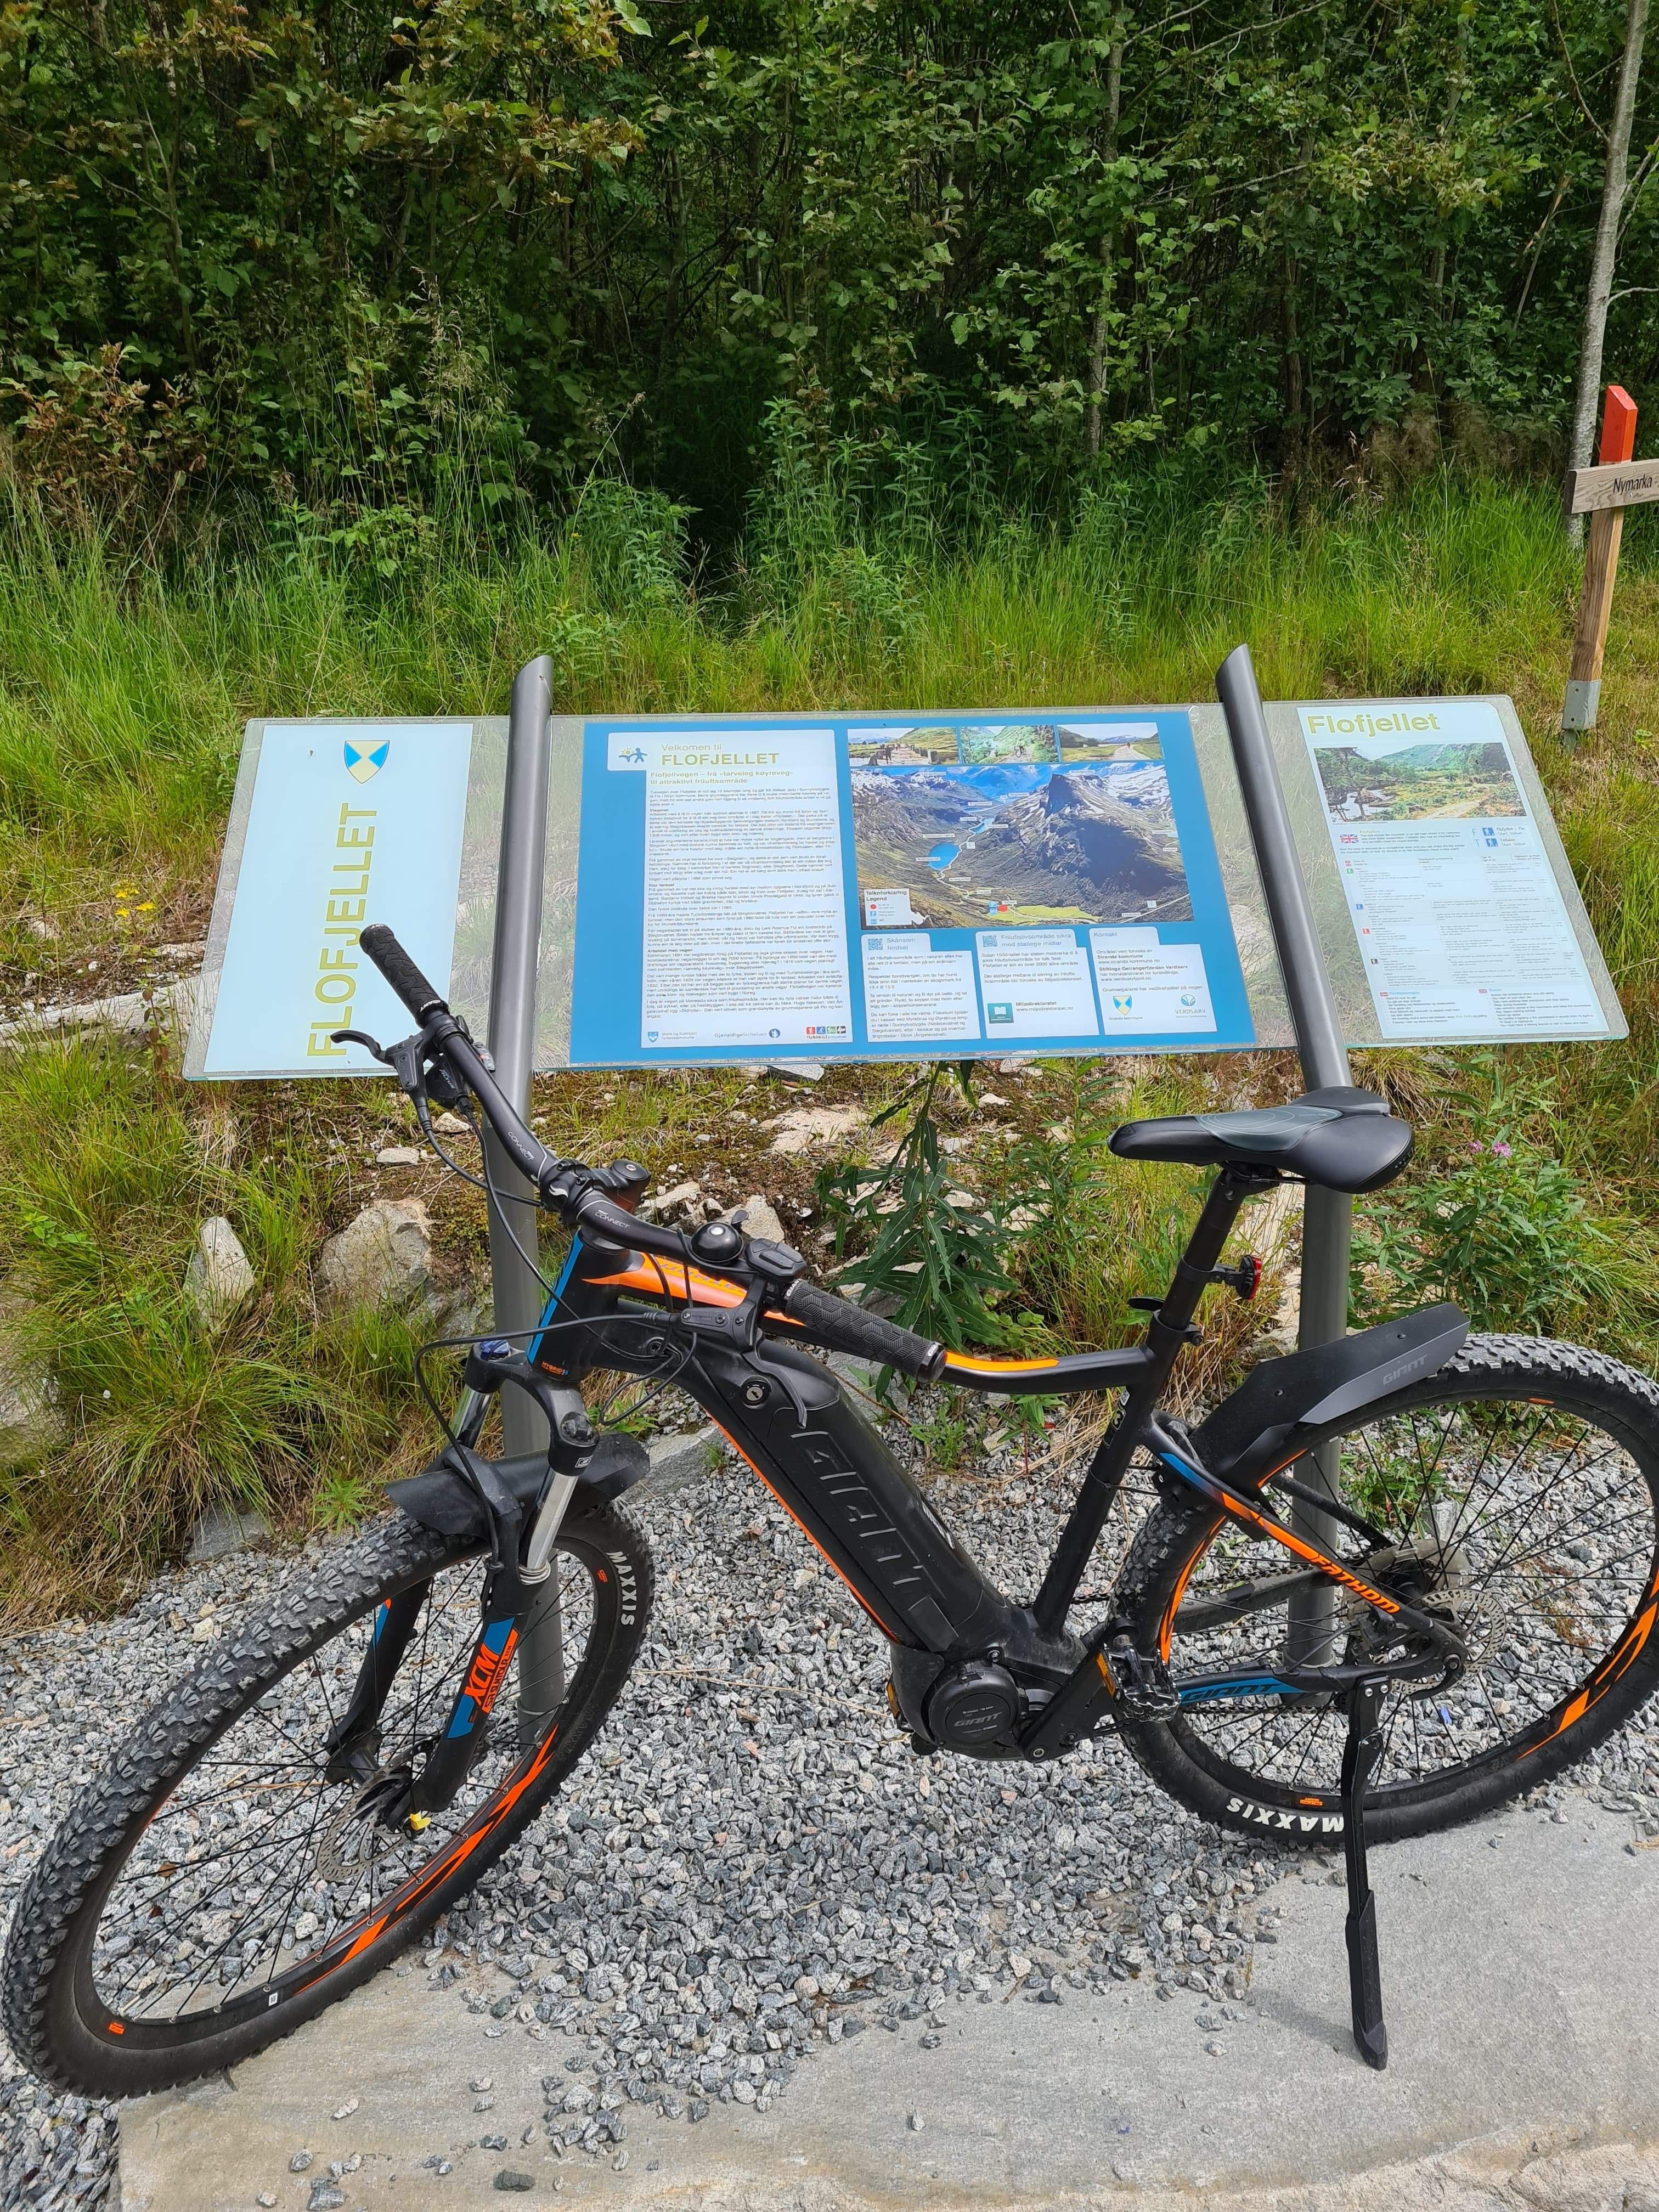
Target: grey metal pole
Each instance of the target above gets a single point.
(517, 1292)
(1327, 1215)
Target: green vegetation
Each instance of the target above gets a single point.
(122, 690)
(355, 266)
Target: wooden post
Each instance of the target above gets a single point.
(1607, 526)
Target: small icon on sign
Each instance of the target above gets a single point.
(635, 756)
(651, 1036)
(772, 1033)
(1000, 1010)
(365, 756)
(1126, 1004)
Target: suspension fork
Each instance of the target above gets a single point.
(353, 1741)
(351, 1758)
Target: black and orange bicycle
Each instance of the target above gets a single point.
(1472, 1613)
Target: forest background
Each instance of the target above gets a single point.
(307, 260)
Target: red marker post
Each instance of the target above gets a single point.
(1604, 493)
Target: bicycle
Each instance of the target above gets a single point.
(1456, 1604)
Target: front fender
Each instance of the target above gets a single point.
(442, 1499)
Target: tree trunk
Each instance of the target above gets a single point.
(1294, 443)
(1106, 249)
(1614, 181)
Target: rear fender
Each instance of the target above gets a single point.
(1255, 1432)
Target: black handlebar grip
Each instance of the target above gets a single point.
(399, 970)
(847, 1327)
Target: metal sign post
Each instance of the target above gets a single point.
(1328, 1218)
(519, 1294)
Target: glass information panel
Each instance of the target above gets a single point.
(906, 886)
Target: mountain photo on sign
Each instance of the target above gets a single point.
(1416, 780)
(1013, 836)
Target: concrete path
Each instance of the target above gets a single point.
(1521, 1960)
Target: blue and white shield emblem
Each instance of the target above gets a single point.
(366, 756)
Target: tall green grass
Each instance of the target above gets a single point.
(122, 689)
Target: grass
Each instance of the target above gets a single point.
(122, 694)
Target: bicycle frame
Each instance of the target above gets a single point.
(787, 1418)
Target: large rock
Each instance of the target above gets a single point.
(31, 1422)
(760, 1218)
(219, 1276)
(804, 1126)
(221, 1530)
(132, 1012)
(379, 1259)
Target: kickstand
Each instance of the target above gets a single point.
(1360, 1755)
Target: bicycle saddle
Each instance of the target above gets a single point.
(1342, 1138)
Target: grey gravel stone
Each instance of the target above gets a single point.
(510, 2178)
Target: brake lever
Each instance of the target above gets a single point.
(404, 1060)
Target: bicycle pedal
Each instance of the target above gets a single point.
(1142, 1689)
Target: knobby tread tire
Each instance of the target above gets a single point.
(1180, 1528)
(37, 2003)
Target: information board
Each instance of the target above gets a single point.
(334, 824)
(1462, 926)
(906, 886)
(868, 889)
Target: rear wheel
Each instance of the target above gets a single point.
(214, 1888)
(1518, 1490)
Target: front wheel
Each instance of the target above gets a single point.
(215, 1888)
(1519, 1491)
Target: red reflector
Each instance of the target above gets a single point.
(1253, 1280)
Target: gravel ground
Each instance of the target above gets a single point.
(751, 1866)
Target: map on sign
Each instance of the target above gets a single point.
(1462, 926)
(865, 887)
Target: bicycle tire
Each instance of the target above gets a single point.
(73, 2035)
(1164, 1574)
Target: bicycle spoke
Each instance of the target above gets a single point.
(205, 1908)
(1486, 1495)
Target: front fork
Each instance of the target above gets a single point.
(513, 1587)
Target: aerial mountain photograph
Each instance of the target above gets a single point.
(1013, 841)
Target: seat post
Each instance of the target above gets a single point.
(1231, 1187)
(1327, 1220)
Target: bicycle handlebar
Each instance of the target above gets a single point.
(842, 1327)
(563, 1185)
(400, 971)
